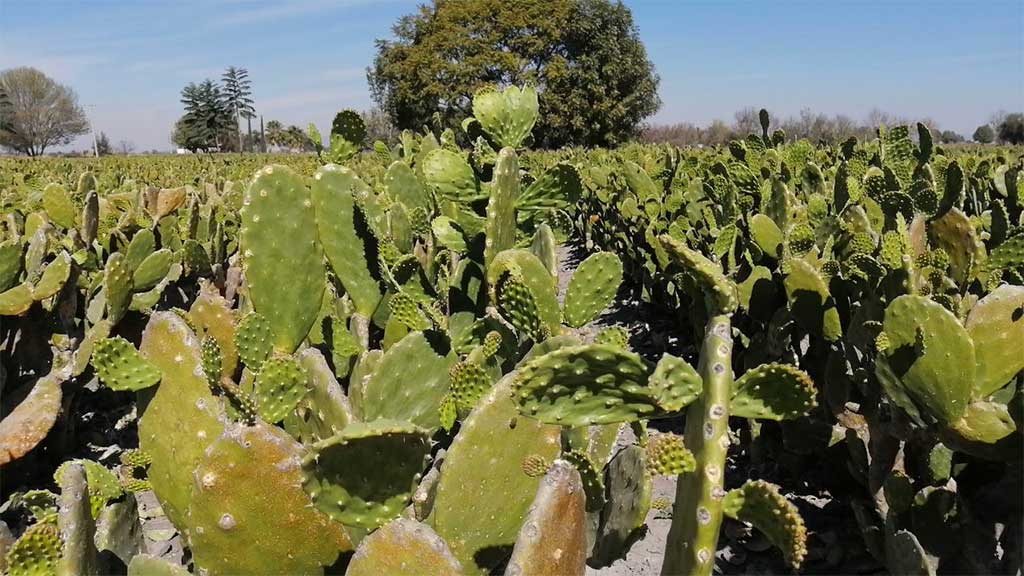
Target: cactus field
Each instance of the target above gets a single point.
(459, 355)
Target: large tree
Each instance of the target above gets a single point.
(237, 94)
(207, 123)
(595, 81)
(1011, 129)
(984, 134)
(39, 113)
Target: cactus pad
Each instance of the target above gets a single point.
(811, 302)
(247, 495)
(667, 455)
(517, 304)
(996, 326)
(280, 386)
(75, 520)
(403, 547)
(365, 475)
(36, 553)
(104, 485)
(507, 116)
(120, 367)
(482, 478)
(181, 418)
(469, 382)
(674, 383)
(616, 336)
(30, 421)
(592, 288)
(721, 293)
(629, 499)
(591, 477)
(54, 276)
(253, 340)
(553, 539)
(152, 269)
(282, 258)
(410, 381)
(760, 503)
(773, 392)
(449, 175)
(535, 465)
(147, 565)
(405, 311)
(931, 354)
(117, 281)
(345, 235)
(500, 228)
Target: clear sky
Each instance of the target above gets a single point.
(954, 61)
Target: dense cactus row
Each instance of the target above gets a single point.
(372, 367)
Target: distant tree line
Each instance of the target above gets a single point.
(818, 127)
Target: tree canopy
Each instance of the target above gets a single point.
(984, 134)
(1011, 129)
(37, 112)
(585, 57)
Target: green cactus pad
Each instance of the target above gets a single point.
(280, 386)
(760, 503)
(1008, 255)
(406, 311)
(152, 269)
(507, 116)
(141, 246)
(451, 177)
(482, 495)
(16, 301)
(136, 458)
(721, 293)
(253, 340)
(592, 288)
(75, 520)
(996, 326)
(984, 422)
(247, 495)
(410, 381)
(181, 418)
(667, 455)
(120, 367)
(955, 234)
(553, 539)
(811, 301)
(586, 384)
(326, 410)
(766, 234)
(500, 229)
(543, 247)
(349, 125)
(517, 304)
(403, 186)
(403, 547)
(24, 427)
(104, 485)
(630, 487)
(212, 314)
(54, 276)
(117, 282)
(469, 382)
(282, 258)
(773, 392)
(58, 206)
(543, 286)
(344, 232)
(931, 354)
(616, 336)
(390, 456)
(674, 383)
(10, 264)
(559, 187)
(211, 360)
(36, 553)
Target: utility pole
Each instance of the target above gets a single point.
(95, 145)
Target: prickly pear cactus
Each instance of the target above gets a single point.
(773, 392)
(246, 493)
(483, 495)
(553, 538)
(403, 547)
(507, 116)
(180, 417)
(592, 288)
(996, 327)
(280, 386)
(760, 503)
(120, 367)
(345, 234)
(930, 354)
(365, 475)
(37, 552)
(77, 528)
(542, 286)
(721, 293)
(500, 230)
(667, 455)
(27, 425)
(254, 340)
(410, 381)
(282, 258)
(629, 499)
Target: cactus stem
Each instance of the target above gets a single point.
(697, 517)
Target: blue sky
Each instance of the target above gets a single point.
(954, 61)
